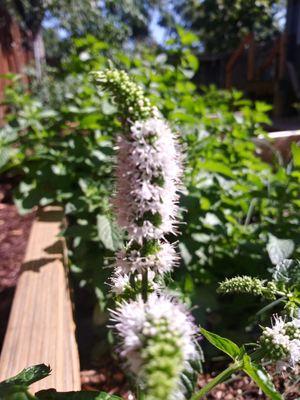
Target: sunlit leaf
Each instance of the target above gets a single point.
(261, 378)
(223, 344)
(279, 249)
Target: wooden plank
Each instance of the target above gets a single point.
(41, 327)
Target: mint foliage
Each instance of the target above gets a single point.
(17, 388)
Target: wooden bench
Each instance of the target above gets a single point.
(41, 327)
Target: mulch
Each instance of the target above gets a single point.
(14, 233)
(239, 387)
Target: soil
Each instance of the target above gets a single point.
(14, 232)
(239, 387)
(104, 373)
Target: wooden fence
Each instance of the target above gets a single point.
(15, 52)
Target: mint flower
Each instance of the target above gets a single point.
(161, 258)
(120, 282)
(148, 177)
(157, 342)
(281, 342)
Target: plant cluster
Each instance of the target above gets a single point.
(158, 338)
(157, 335)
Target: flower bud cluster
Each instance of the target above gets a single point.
(158, 341)
(247, 284)
(281, 342)
(127, 95)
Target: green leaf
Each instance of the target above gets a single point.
(190, 61)
(29, 375)
(279, 249)
(5, 154)
(261, 378)
(214, 166)
(84, 395)
(223, 344)
(108, 233)
(15, 388)
(296, 154)
(108, 108)
(187, 38)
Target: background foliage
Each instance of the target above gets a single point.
(208, 18)
(59, 138)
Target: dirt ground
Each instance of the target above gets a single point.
(239, 387)
(14, 232)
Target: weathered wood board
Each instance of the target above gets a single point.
(41, 327)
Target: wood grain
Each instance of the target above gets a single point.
(41, 327)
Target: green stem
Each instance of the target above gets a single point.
(250, 212)
(257, 355)
(29, 395)
(218, 379)
(145, 286)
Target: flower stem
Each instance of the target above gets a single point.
(257, 355)
(145, 285)
(218, 379)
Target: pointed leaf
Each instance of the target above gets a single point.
(29, 375)
(223, 344)
(15, 388)
(261, 378)
(108, 233)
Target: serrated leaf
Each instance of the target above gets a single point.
(29, 375)
(279, 249)
(287, 271)
(15, 388)
(108, 233)
(223, 344)
(261, 378)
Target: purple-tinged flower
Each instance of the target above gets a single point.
(148, 178)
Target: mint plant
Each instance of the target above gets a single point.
(158, 337)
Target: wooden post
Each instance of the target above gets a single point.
(251, 59)
(236, 55)
(41, 327)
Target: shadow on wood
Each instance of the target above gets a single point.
(41, 327)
